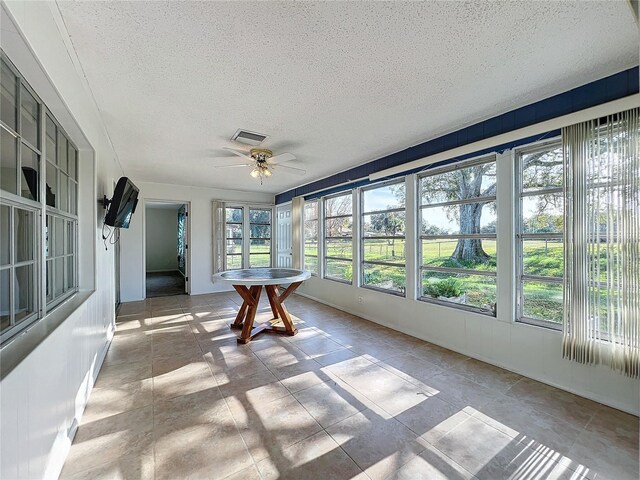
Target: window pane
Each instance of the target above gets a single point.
(341, 205)
(384, 198)
(339, 248)
(58, 284)
(477, 254)
(70, 274)
(233, 215)
(69, 237)
(338, 227)
(474, 290)
(311, 264)
(52, 185)
(30, 174)
(24, 291)
(460, 184)
(234, 247)
(469, 218)
(64, 192)
(542, 213)
(542, 170)
(339, 269)
(260, 246)
(58, 239)
(50, 277)
(8, 162)
(311, 230)
(384, 224)
(73, 201)
(30, 118)
(234, 261)
(543, 301)
(51, 140)
(8, 88)
(543, 257)
(260, 231)
(311, 210)
(259, 260)
(24, 224)
(311, 248)
(259, 216)
(5, 299)
(5, 235)
(62, 151)
(387, 277)
(72, 155)
(234, 230)
(383, 250)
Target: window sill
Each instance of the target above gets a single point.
(25, 342)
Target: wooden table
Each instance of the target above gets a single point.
(248, 283)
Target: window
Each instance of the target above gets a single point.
(338, 237)
(540, 245)
(311, 230)
(234, 235)
(260, 237)
(28, 167)
(457, 226)
(383, 237)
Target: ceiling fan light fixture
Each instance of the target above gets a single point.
(267, 172)
(255, 173)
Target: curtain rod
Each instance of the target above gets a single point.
(609, 108)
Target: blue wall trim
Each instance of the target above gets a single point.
(595, 93)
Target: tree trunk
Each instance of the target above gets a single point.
(470, 250)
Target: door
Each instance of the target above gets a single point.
(284, 242)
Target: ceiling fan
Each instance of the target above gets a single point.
(264, 162)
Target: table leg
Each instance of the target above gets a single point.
(245, 336)
(247, 299)
(272, 295)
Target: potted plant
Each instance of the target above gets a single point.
(449, 289)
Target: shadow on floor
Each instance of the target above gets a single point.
(162, 284)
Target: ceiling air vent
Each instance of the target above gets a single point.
(249, 138)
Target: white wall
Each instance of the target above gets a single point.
(200, 258)
(161, 245)
(47, 390)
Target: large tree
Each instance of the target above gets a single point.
(539, 169)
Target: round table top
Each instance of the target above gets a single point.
(262, 276)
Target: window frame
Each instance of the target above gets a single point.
(226, 238)
(318, 222)
(521, 236)
(362, 236)
(325, 257)
(40, 209)
(479, 160)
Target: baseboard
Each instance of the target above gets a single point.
(538, 378)
(164, 270)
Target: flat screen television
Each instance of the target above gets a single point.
(123, 204)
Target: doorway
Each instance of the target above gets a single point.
(166, 249)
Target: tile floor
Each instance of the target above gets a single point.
(344, 399)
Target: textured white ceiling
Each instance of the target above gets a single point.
(336, 84)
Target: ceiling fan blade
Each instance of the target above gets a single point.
(238, 153)
(283, 157)
(234, 165)
(295, 171)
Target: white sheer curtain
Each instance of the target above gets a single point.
(297, 208)
(602, 242)
(219, 238)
